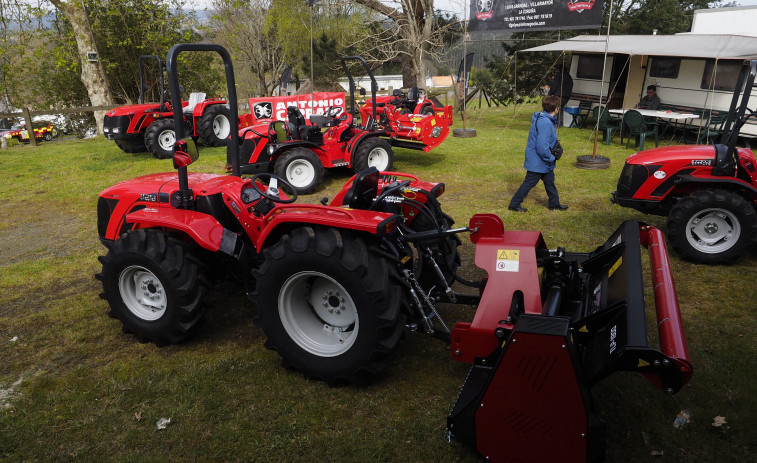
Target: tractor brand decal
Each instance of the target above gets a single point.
(151, 197)
(614, 267)
(579, 6)
(409, 194)
(701, 162)
(484, 9)
(508, 260)
(341, 164)
(660, 174)
(263, 110)
(613, 335)
(267, 109)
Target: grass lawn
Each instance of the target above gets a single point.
(73, 387)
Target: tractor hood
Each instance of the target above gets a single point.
(166, 183)
(672, 153)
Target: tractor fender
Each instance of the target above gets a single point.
(282, 147)
(287, 217)
(199, 109)
(727, 183)
(355, 141)
(203, 229)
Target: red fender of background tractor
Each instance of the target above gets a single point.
(375, 223)
(201, 228)
(436, 188)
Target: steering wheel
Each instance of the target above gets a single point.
(333, 111)
(272, 193)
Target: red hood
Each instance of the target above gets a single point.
(666, 154)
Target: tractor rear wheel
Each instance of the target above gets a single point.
(215, 125)
(160, 138)
(300, 167)
(329, 305)
(373, 152)
(154, 286)
(712, 226)
(134, 145)
(444, 250)
(427, 110)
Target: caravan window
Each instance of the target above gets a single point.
(590, 67)
(721, 77)
(665, 67)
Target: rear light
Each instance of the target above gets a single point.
(438, 190)
(387, 226)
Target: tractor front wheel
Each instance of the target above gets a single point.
(373, 152)
(712, 226)
(134, 145)
(215, 125)
(160, 138)
(329, 305)
(154, 286)
(300, 167)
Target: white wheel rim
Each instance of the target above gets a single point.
(142, 293)
(167, 139)
(221, 126)
(318, 314)
(300, 173)
(713, 230)
(378, 158)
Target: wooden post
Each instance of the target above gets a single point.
(29, 127)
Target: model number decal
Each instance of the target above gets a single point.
(613, 335)
(151, 197)
(341, 164)
(701, 162)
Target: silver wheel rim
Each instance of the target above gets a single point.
(166, 140)
(378, 158)
(712, 231)
(221, 126)
(318, 314)
(300, 173)
(142, 293)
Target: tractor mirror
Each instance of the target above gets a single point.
(362, 91)
(185, 153)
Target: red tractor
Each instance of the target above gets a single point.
(708, 192)
(336, 286)
(149, 126)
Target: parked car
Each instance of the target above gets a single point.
(43, 130)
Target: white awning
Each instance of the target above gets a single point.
(683, 45)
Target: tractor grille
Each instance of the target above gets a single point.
(116, 126)
(104, 211)
(632, 177)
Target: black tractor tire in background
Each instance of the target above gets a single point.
(215, 125)
(373, 152)
(132, 145)
(712, 226)
(160, 137)
(427, 110)
(329, 305)
(154, 286)
(300, 167)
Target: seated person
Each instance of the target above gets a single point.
(651, 100)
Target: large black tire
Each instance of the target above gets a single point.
(160, 138)
(329, 305)
(712, 226)
(132, 145)
(373, 152)
(444, 250)
(47, 136)
(300, 167)
(154, 286)
(427, 110)
(215, 125)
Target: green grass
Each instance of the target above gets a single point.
(74, 388)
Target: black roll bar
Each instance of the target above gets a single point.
(374, 85)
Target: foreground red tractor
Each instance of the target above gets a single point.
(336, 286)
(709, 193)
(149, 126)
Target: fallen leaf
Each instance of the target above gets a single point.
(138, 416)
(719, 422)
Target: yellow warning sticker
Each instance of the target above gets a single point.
(583, 329)
(508, 260)
(614, 267)
(643, 363)
(433, 122)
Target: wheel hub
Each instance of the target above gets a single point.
(378, 158)
(142, 293)
(713, 230)
(167, 139)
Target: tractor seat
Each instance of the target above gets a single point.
(364, 189)
(194, 98)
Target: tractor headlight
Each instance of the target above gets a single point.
(436, 131)
(116, 130)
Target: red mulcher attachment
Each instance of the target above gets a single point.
(550, 325)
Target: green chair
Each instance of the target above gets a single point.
(639, 129)
(712, 130)
(607, 126)
(584, 109)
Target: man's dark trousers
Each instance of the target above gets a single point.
(532, 178)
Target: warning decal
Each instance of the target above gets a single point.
(508, 260)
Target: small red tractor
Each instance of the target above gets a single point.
(708, 192)
(337, 285)
(149, 126)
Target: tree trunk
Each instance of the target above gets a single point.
(92, 73)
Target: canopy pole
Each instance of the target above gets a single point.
(602, 85)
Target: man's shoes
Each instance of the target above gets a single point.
(518, 209)
(559, 207)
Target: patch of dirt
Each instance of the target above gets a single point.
(9, 393)
(25, 236)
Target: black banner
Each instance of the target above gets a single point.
(284, 81)
(535, 15)
(463, 75)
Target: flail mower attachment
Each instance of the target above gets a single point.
(550, 325)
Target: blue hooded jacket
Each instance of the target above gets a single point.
(541, 137)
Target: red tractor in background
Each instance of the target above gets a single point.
(298, 151)
(336, 286)
(149, 126)
(708, 192)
